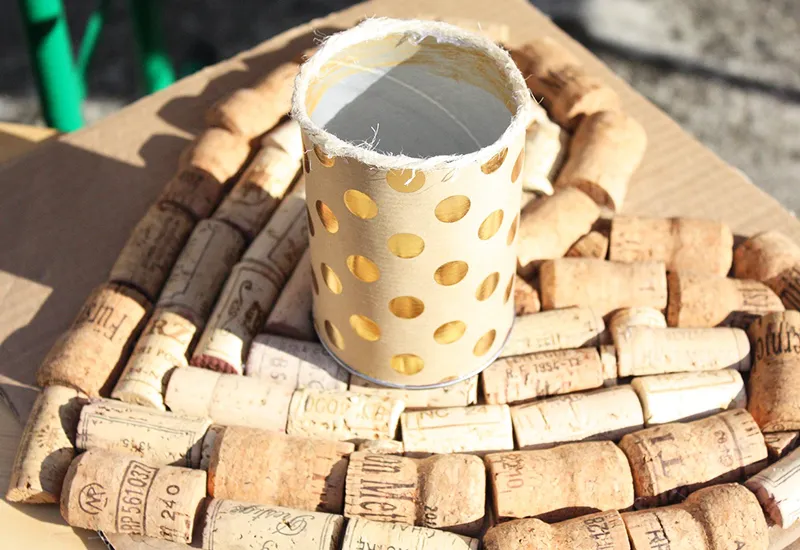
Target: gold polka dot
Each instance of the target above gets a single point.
(324, 159)
(486, 288)
(327, 217)
(405, 181)
(484, 343)
(512, 231)
(363, 268)
(517, 170)
(360, 204)
(452, 208)
(334, 336)
(407, 363)
(406, 307)
(365, 327)
(490, 225)
(495, 162)
(449, 332)
(311, 229)
(509, 289)
(306, 164)
(331, 279)
(406, 245)
(451, 273)
(314, 282)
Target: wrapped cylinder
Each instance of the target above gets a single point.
(592, 245)
(294, 364)
(413, 236)
(780, 443)
(672, 460)
(458, 395)
(526, 297)
(778, 489)
(600, 531)
(363, 533)
(115, 493)
(46, 448)
(566, 328)
(90, 355)
(228, 399)
(579, 478)
(625, 318)
(763, 257)
(291, 316)
(478, 429)
(546, 145)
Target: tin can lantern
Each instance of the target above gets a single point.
(414, 135)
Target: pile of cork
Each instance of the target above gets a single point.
(191, 396)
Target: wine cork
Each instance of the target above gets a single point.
(162, 438)
(382, 446)
(256, 195)
(363, 534)
(381, 487)
(600, 531)
(603, 414)
(89, 356)
(151, 250)
(592, 245)
(546, 145)
(452, 493)
(524, 377)
(115, 493)
(235, 525)
(781, 443)
(557, 78)
(228, 399)
(527, 198)
(689, 395)
(552, 330)
(526, 297)
(653, 350)
(209, 444)
(46, 447)
(787, 287)
(683, 244)
(284, 239)
(295, 364)
(162, 346)
(778, 489)
(608, 358)
(606, 286)
(343, 415)
(672, 460)
(277, 469)
(549, 226)
(560, 483)
(291, 316)
(763, 257)
(775, 380)
(476, 429)
(216, 152)
(634, 317)
(459, 394)
(716, 518)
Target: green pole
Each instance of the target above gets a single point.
(155, 64)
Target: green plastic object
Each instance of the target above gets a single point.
(156, 67)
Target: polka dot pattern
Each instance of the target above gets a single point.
(517, 170)
(452, 209)
(406, 307)
(407, 363)
(405, 181)
(484, 343)
(494, 163)
(363, 268)
(450, 332)
(334, 336)
(324, 159)
(491, 225)
(331, 279)
(486, 288)
(509, 289)
(311, 229)
(360, 204)
(451, 273)
(365, 327)
(327, 217)
(406, 245)
(512, 230)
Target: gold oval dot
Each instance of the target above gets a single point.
(365, 327)
(490, 225)
(311, 229)
(330, 278)
(327, 217)
(324, 159)
(405, 181)
(484, 343)
(363, 268)
(451, 273)
(452, 208)
(406, 245)
(495, 162)
(509, 289)
(512, 231)
(360, 204)
(486, 288)
(314, 282)
(449, 332)
(407, 363)
(517, 170)
(306, 163)
(406, 307)
(334, 336)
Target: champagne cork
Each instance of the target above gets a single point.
(683, 244)
(343, 415)
(716, 518)
(781, 443)
(603, 414)
(608, 357)
(89, 356)
(606, 286)
(201, 269)
(460, 394)
(382, 487)
(672, 460)
(294, 364)
(600, 531)
(382, 446)
(277, 469)
(689, 395)
(552, 330)
(151, 250)
(546, 145)
(634, 317)
(476, 429)
(557, 78)
(452, 493)
(526, 297)
(209, 444)
(363, 534)
(605, 151)
(524, 377)
(115, 493)
(291, 316)
(161, 347)
(549, 226)
(228, 399)
(765, 256)
(775, 380)
(778, 489)
(592, 245)
(256, 195)
(560, 483)
(233, 525)
(653, 350)
(160, 437)
(46, 447)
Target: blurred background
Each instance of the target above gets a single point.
(727, 70)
